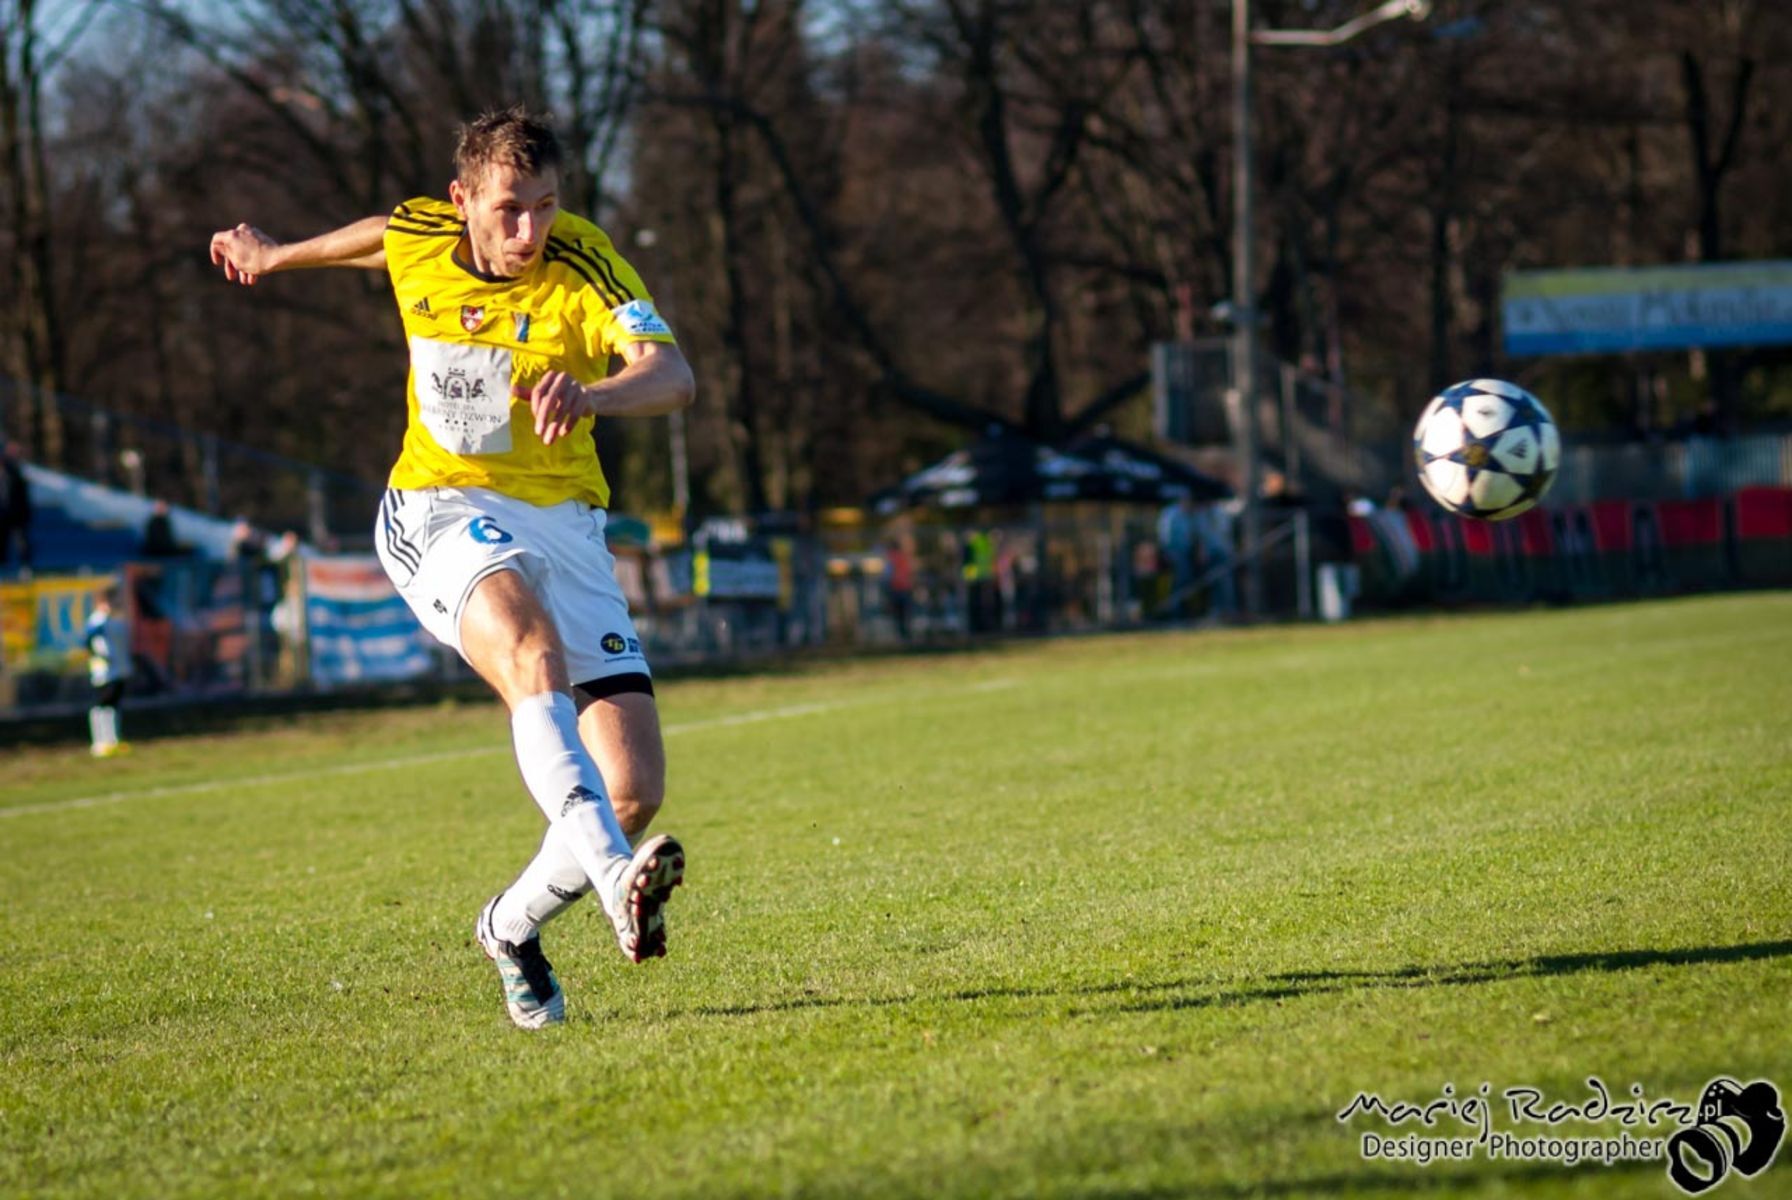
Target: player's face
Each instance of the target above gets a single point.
(508, 216)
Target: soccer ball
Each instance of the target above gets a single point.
(1486, 449)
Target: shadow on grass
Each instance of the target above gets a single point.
(1175, 995)
(1310, 983)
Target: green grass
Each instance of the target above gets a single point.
(1126, 916)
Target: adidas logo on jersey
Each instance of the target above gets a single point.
(421, 308)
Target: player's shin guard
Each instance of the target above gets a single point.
(551, 883)
(566, 785)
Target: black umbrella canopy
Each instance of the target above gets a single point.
(1138, 473)
(1007, 469)
(997, 469)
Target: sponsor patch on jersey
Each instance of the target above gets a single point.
(638, 318)
(520, 322)
(613, 643)
(421, 308)
(472, 316)
(463, 395)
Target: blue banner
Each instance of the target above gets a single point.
(358, 628)
(1609, 310)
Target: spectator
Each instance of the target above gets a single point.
(899, 579)
(1394, 531)
(1213, 530)
(246, 542)
(980, 580)
(108, 666)
(1176, 540)
(158, 534)
(15, 506)
(1146, 595)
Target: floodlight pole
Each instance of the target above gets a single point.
(1248, 429)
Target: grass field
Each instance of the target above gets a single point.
(1125, 916)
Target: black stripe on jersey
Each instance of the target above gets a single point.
(615, 292)
(397, 226)
(417, 216)
(557, 254)
(609, 270)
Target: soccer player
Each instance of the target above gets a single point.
(108, 667)
(492, 527)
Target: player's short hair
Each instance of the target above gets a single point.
(513, 137)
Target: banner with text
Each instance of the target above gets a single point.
(1608, 310)
(358, 628)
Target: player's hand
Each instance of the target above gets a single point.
(243, 252)
(558, 403)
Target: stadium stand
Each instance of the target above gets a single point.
(79, 526)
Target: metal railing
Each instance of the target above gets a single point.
(199, 470)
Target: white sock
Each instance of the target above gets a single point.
(548, 886)
(566, 785)
(111, 715)
(96, 727)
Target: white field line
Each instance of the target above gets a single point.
(391, 764)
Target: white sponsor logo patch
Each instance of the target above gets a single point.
(639, 319)
(463, 395)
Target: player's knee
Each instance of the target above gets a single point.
(641, 793)
(637, 802)
(527, 667)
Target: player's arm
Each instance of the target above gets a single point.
(246, 253)
(656, 380)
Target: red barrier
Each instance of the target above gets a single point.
(1763, 513)
(1534, 535)
(1690, 522)
(1477, 538)
(1764, 534)
(1424, 535)
(1613, 532)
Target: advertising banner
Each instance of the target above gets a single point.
(43, 622)
(1617, 309)
(358, 628)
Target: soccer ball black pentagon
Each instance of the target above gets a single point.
(1486, 448)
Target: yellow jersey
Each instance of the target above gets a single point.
(474, 338)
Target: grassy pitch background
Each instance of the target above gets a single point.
(1126, 916)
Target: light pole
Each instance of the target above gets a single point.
(1244, 308)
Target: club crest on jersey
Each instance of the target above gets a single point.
(521, 322)
(472, 316)
(457, 385)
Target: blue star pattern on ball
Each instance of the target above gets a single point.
(1486, 449)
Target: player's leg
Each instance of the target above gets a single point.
(622, 734)
(620, 722)
(102, 719)
(452, 553)
(99, 743)
(621, 729)
(508, 637)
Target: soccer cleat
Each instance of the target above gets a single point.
(642, 890)
(531, 992)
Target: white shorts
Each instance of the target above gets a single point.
(437, 543)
